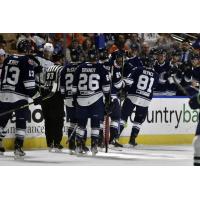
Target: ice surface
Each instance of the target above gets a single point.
(141, 155)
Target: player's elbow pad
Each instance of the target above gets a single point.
(194, 102)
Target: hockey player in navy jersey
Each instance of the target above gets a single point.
(194, 103)
(91, 83)
(174, 73)
(67, 77)
(17, 85)
(139, 87)
(116, 71)
(162, 67)
(133, 62)
(191, 76)
(114, 67)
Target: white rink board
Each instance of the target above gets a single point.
(169, 116)
(166, 116)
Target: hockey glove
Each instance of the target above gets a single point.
(37, 99)
(194, 101)
(109, 106)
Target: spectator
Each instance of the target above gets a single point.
(3, 44)
(145, 49)
(196, 45)
(165, 41)
(150, 38)
(186, 53)
(87, 45)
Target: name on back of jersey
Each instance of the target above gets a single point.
(148, 73)
(147, 94)
(13, 62)
(88, 70)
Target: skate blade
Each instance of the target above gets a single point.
(72, 152)
(17, 157)
(58, 151)
(50, 150)
(80, 154)
(94, 153)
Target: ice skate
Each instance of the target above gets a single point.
(19, 153)
(132, 142)
(85, 149)
(79, 147)
(58, 148)
(50, 148)
(116, 143)
(94, 150)
(72, 147)
(94, 145)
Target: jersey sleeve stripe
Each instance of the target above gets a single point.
(29, 84)
(128, 81)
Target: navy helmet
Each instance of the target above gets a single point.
(92, 55)
(75, 56)
(148, 61)
(103, 54)
(24, 46)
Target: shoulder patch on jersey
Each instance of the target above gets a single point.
(31, 62)
(106, 67)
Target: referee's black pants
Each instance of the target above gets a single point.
(53, 112)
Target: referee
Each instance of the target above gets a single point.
(53, 108)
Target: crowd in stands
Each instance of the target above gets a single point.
(186, 49)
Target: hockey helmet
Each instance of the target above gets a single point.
(92, 55)
(103, 54)
(48, 47)
(24, 46)
(148, 61)
(75, 56)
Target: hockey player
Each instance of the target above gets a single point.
(114, 68)
(194, 103)
(190, 76)
(162, 67)
(67, 77)
(116, 71)
(133, 62)
(91, 83)
(139, 86)
(17, 85)
(174, 75)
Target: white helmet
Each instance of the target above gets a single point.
(48, 47)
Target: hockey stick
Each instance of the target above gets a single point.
(106, 118)
(106, 132)
(73, 132)
(27, 105)
(120, 95)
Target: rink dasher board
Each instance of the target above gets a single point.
(170, 121)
